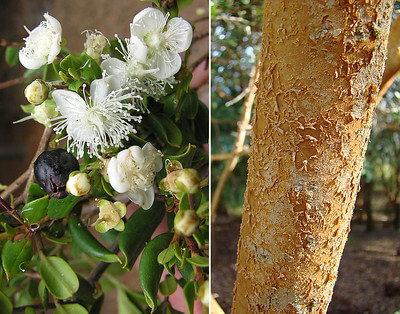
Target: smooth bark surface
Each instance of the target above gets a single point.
(322, 64)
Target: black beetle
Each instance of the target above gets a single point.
(52, 169)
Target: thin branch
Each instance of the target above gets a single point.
(17, 81)
(222, 157)
(43, 145)
(15, 185)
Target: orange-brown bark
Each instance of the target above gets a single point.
(322, 63)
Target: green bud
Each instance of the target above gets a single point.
(184, 180)
(110, 216)
(186, 222)
(79, 183)
(44, 112)
(37, 92)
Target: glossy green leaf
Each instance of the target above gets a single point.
(90, 70)
(35, 210)
(30, 310)
(5, 304)
(190, 105)
(168, 286)
(16, 256)
(35, 190)
(58, 277)
(88, 243)
(72, 308)
(150, 270)
(189, 293)
(12, 58)
(166, 255)
(197, 260)
(186, 157)
(60, 208)
(165, 128)
(138, 230)
(44, 294)
(125, 304)
(71, 62)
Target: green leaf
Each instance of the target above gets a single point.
(189, 293)
(125, 304)
(35, 210)
(73, 308)
(90, 70)
(166, 255)
(60, 208)
(58, 277)
(150, 270)
(12, 58)
(5, 304)
(71, 62)
(197, 260)
(165, 128)
(168, 286)
(88, 243)
(16, 256)
(186, 157)
(44, 294)
(35, 190)
(190, 104)
(138, 230)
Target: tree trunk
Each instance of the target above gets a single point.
(321, 67)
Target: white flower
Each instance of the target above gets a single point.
(133, 171)
(101, 122)
(95, 44)
(163, 39)
(42, 45)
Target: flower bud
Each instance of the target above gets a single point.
(79, 183)
(95, 44)
(37, 92)
(203, 293)
(186, 222)
(44, 112)
(184, 180)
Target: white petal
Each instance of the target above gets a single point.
(138, 49)
(29, 62)
(113, 66)
(147, 20)
(117, 176)
(137, 154)
(99, 89)
(142, 198)
(169, 63)
(55, 24)
(54, 50)
(152, 153)
(69, 103)
(179, 34)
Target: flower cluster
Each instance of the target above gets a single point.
(99, 114)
